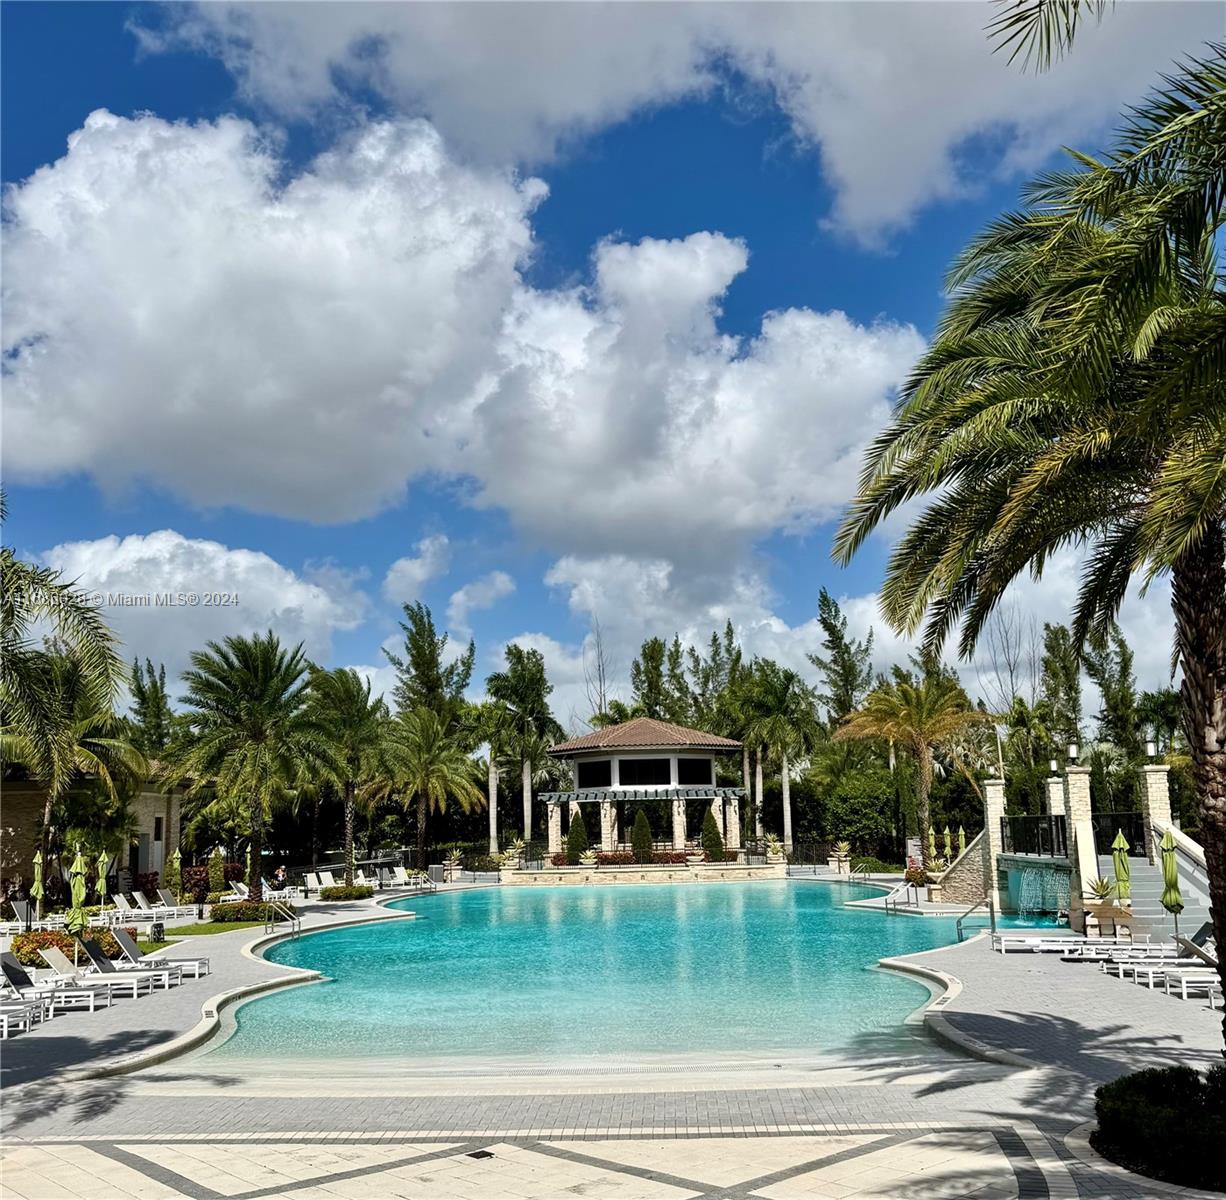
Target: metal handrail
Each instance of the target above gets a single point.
(974, 908)
(905, 889)
(276, 909)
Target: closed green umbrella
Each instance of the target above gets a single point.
(100, 886)
(76, 920)
(36, 888)
(949, 844)
(1172, 901)
(174, 874)
(932, 843)
(1119, 860)
(961, 841)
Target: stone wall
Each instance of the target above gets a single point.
(962, 882)
(705, 873)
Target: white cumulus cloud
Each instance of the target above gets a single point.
(890, 94)
(407, 576)
(479, 594)
(284, 346)
(237, 592)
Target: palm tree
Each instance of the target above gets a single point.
(1074, 396)
(77, 735)
(1041, 31)
(31, 708)
(492, 724)
(357, 725)
(431, 768)
(785, 724)
(919, 717)
(252, 732)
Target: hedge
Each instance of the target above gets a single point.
(357, 892)
(248, 910)
(26, 946)
(1164, 1122)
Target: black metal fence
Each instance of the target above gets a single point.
(1044, 835)
(1130, 824)
(810, 854)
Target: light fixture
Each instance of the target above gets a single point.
(1151, 750)
(1073, 751)
(1055, 766)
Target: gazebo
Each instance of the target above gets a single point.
(645, 760)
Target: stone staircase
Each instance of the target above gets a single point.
(1148, 913)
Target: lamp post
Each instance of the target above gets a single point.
(1074, 752)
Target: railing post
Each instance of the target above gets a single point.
(1155, 802)
(1082, 851)
(1055, 796)
(993, 835)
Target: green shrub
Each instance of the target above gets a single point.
(874, 866)
(247, 910)
(576, 839)
(26, 946)
(1164, 1122)
(174, 878)
(712, 842)
(483, 862)
(341, 892)
(640, 838)
(213, 898)
(217, 871)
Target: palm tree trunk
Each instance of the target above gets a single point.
(349, 833)
(745, 766)
(493, 791)
(786, 787)
(757, 803)
(923, 789)
(255, 876)
(315, 831)
(44, 846)
(1198, 596)
(421, 832)
(526, 784)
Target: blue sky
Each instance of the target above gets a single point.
(576, 390)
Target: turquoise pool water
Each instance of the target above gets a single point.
(598, 971)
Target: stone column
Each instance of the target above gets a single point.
(555, 827)
(1081, 840)
(678, 823)
(993, 840)
(1155, 803)
(1055, 795)
(607, 819)
(732, 838)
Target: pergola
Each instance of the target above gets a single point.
(645, 760)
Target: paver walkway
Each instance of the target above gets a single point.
(877, 1122)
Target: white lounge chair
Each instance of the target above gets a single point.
(1047, 944)
(326, 880)
(1190, 979)
(132, 953)
(27, 920)
(20, 1015)
(64, 972)
(155, 912)
(125, 912)
(179, 910)
(57, 993)
(166, 975)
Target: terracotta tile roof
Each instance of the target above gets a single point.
(645, 733)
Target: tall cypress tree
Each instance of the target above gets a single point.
(845, 667)
(151, 718)
(423, 679)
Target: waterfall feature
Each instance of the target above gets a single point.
(1042, 890)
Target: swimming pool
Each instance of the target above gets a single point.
(603, 972)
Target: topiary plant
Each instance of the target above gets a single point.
(712, 842)
(576, 838)
(640, 838)
(217, 871)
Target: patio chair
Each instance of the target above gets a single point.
(165, 975)
(1195, 979)
(132, 952)
(326, 880)
(26, 918)
(19, 1015)
(154, 912)
(58, 994)
(179, 910)
(401, 876)
(125, 912)
(64, 972)
(310, 882)
(272, 893)
(360, 880)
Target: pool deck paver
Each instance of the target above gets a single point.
(882, 1121)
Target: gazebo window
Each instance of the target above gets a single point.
(644, 772)
(596, 774)
(693, 771)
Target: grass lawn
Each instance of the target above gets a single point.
(175, 932)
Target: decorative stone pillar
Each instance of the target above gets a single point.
(1055, 795)
(678, 823)
(732, 838)
(608, 817)
(1081, 850)
(555, 827)
(1155, 803)
(993, 838)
